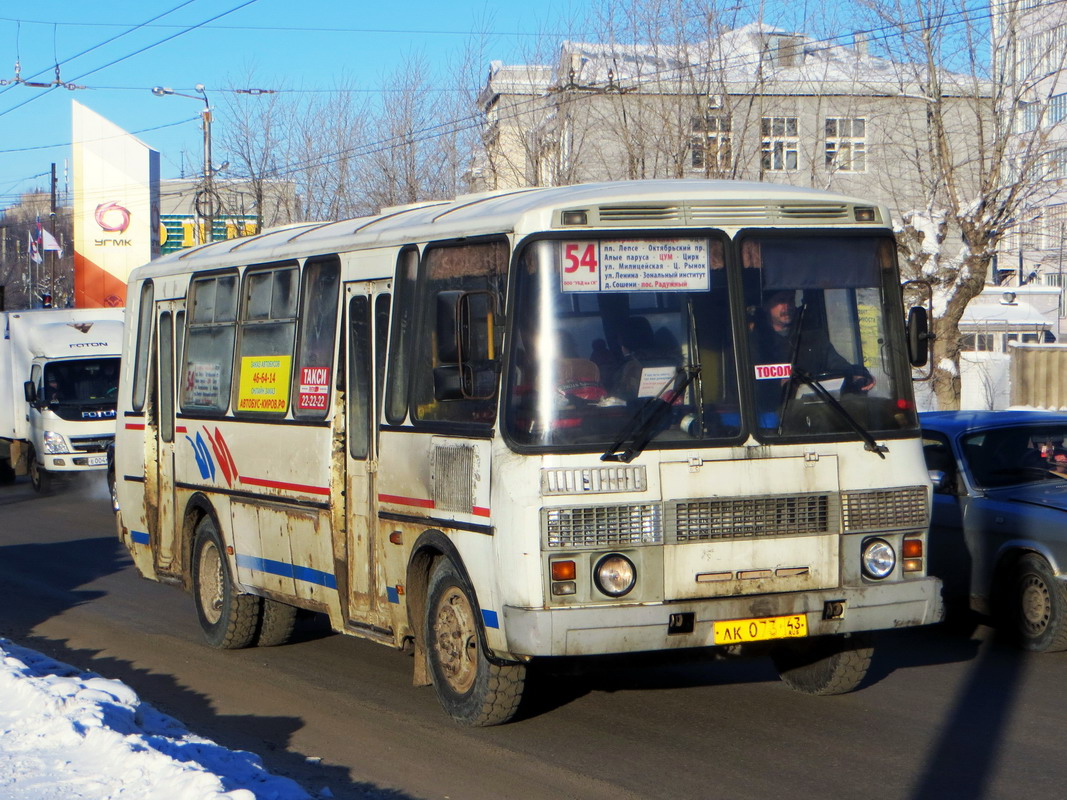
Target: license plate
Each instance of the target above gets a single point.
(97, 461)
(735, 631)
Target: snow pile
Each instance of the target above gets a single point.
(71, 735)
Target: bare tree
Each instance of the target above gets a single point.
(974, 188)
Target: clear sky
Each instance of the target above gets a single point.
(121, 49)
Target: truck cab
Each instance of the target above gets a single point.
(62, 366)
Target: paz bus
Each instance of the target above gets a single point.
(538, 423)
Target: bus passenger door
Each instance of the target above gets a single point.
(367, 317)
(170, 323)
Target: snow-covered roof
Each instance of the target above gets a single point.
(1019, 313)
(739, 56)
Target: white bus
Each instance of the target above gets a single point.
(546, 422)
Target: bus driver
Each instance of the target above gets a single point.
(778, 340)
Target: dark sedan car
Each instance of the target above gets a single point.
(999, 531)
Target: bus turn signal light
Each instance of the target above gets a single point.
(563, 571)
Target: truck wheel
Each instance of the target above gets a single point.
(228, 619)
(824, 665)
(276, 623)
(472, 689)
(40, 478)
(1041, 606)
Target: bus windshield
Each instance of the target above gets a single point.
(614, 337)
(823, 316)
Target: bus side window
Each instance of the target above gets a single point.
(318, 326)
(267, 334)
(359, 387)
(457, 350)
(400, 347)
(382, 306)
(210, 333)
(144, 337)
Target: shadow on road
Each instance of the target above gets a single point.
(42, 580)
(963, 760)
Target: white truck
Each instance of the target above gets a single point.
(58, 382)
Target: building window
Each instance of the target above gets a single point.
(1056, 164)
(846, 144)
(1057, 109)
(981, 342)
(711, 151)
(780, 144)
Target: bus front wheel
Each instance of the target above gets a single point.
(825, 665)
(472, 689)
(228, 619)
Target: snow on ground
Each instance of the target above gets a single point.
(71, 735)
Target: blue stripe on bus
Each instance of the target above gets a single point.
(139, 537)
(490, 619)
(393, 594)
(306, 574)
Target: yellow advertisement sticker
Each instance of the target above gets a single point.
(264, 383)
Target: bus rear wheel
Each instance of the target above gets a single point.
(228, 619)
(276, 623)
(825, 665)
(472, 689)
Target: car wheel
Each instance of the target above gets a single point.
(40, 478)
(228, 619)
(472, 689)
(825, 665)
(1041, 606)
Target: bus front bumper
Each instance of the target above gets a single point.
(648, 626)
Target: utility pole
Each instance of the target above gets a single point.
(52, 220)
(207, 208)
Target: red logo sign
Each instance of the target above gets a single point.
(112, 217)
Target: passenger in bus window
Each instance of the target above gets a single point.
(640, 354)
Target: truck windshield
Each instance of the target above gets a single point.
(81, 382)
(631, 343)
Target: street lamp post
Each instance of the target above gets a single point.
(207, 210)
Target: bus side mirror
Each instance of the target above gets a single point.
(29, 389)
(918, 336)
(466, 347)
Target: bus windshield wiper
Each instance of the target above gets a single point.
(869, 443)
(641, 427)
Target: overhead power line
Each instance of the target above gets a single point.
(138, 51)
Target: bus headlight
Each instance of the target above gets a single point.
(615, 575)
(54, 443)
(878, 558)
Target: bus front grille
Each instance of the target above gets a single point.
(747, 517)
(885, 509)
(602, 526)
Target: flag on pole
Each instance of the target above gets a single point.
(35, 253)
(45, 240)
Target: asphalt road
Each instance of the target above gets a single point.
(946, 712)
